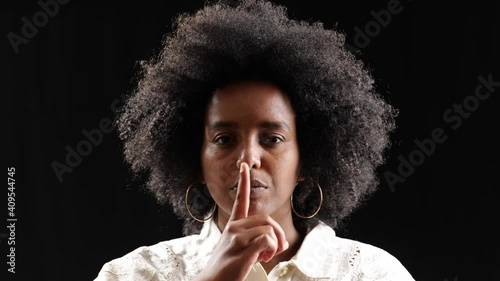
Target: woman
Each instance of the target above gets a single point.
(263, 133)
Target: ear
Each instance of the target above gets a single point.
(301, 176)
(202, 179)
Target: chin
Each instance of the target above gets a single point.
(256, 210)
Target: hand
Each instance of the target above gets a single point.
(245, 240)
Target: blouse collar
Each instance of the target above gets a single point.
(314, 258)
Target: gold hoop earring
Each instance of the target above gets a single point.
(191, 214)
(317, 210)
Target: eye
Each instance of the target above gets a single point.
(272, 139)
(223, 140)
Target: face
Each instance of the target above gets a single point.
(251, 122)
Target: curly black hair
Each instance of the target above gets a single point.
(343, 124)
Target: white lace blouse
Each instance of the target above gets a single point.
(322, 256)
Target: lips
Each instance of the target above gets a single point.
(254, 184)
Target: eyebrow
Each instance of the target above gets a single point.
(274, 125)
(266, 125)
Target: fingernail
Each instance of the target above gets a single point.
(286, 245)
(241, 168)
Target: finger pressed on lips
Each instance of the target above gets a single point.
(242, 202)
(273, 238)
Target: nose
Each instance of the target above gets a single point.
(251, 154)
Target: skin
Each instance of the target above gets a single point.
(250, 134)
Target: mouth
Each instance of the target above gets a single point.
(255, 186)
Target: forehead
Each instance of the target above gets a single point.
(249, 100)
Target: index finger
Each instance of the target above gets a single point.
(242, 201)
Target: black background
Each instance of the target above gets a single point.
(439, 222)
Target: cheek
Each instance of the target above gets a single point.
(286, 169)
(218, 172)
